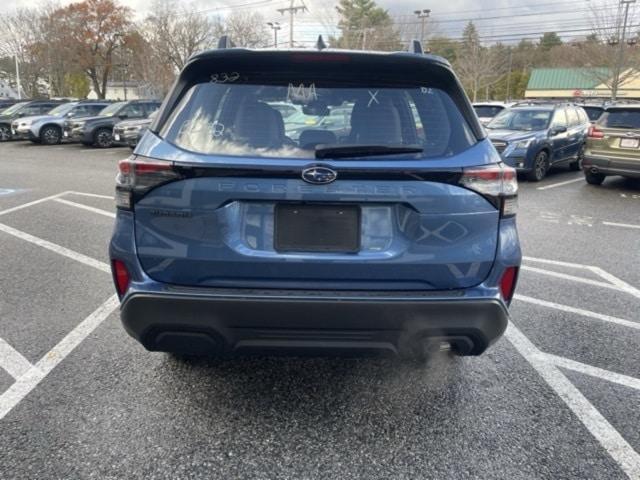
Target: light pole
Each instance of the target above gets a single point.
(422, 15)
(123, 65)
(275, 26)
(620, 60)
(18, 78)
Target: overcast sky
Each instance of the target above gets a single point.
(515, 18)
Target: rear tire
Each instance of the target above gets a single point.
(594, 178)
(540, 167)
(103, 138)
(50, 135)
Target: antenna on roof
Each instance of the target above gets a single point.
(416, 47)
(225, 42)
(320, 45)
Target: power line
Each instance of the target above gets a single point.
(292, 10)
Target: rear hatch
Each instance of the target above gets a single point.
(617, 134)
(364, 184)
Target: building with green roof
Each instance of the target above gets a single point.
(584, 83)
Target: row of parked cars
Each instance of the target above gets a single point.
(601, 140)
(98, 123)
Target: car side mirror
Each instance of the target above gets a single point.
(124, 116)
(558, 130)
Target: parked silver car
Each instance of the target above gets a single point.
(47, 129)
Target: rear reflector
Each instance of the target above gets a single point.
(508, 283)
(120, 276)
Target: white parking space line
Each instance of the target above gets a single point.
(30, 204)
(622, 225)
(86, 207)
(560, 184)
(578, 311)
(621, 284)
(79, 257)
(557, 263)
(613, 282)
(573, 278)
(610, 439)
(94, 195)
(592, 371)
(12, 361)
(31, 378)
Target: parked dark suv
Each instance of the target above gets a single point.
(98, 131)
(24, 109)
(533, 137)
(394, 234)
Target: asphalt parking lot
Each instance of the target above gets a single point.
(558, 397)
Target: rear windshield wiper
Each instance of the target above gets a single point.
(347, 151)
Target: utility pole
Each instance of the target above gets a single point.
(422, 15)
(292, 10)
(18, 78)
(123, 63)
(275, 26)
(620, 60)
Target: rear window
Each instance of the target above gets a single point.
(621, 118)
(487, 111)
(572, 117)
(593, 112)
(291, 119)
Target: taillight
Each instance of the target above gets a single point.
(137, 175)
(121, 276)
(595, 133)
(508, 283)
(498, 183)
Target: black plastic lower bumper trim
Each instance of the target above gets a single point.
(228, 324)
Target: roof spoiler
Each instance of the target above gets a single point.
(225, 42)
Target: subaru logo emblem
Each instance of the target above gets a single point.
(319, 175)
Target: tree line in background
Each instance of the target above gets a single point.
(66, 51)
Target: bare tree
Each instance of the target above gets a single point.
(19, 39)
(478, 67)
(607, 49)
(247, 29)
(175, 34)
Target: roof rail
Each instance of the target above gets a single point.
(415, 46)
(320, 45)
(225, 42)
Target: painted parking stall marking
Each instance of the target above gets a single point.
(561, 184)
(28, 376)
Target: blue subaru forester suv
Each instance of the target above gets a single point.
(533, 137)
(394, 235)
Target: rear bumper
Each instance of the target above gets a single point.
(611, 166)
(223, 323)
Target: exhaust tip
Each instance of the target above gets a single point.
(594, 170)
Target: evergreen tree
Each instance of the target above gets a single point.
(364, 25)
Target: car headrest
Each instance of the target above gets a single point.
(376, 121)
(259, 125)
(310, 139)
